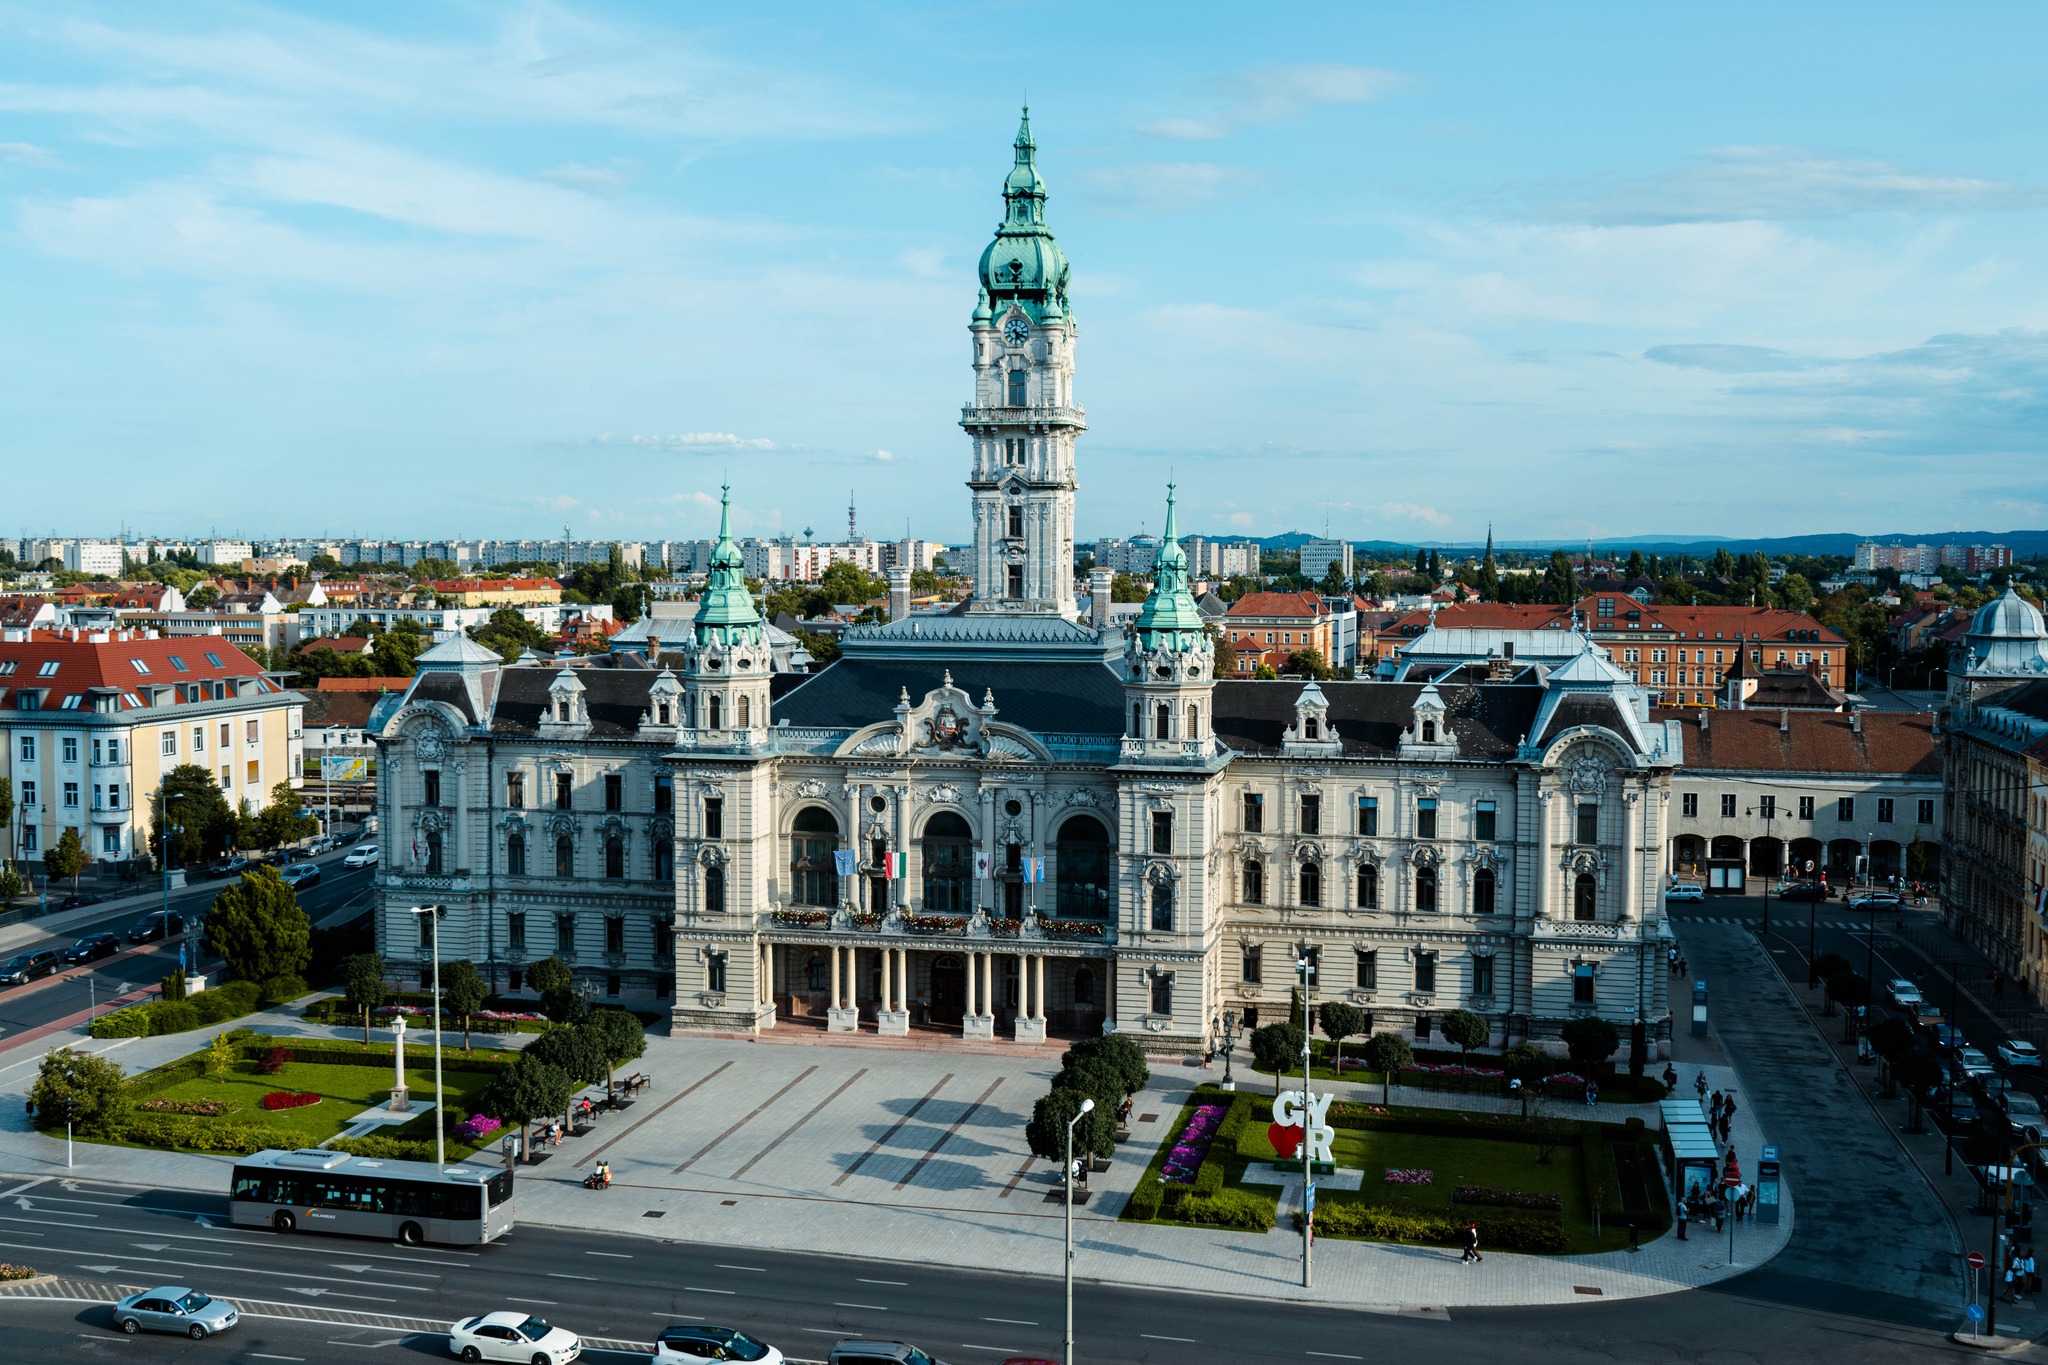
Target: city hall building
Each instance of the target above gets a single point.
(1013, 820)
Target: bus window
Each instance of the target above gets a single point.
(500, 1187)
(464, 1201)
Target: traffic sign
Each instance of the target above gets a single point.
(1976, 1260)
(1975, 1312)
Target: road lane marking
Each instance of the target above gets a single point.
(754, 1269)
(544, 1303)
(900, 1284)
(999, 1350)
(700, 1289)
(894, 1129)
(202, 1265)
(25, 1187)
(948, 1135)
(872, 1307)
(258, 1355)
(558, 1275)
(1014, 1322)
(757, 1111)
(662, 1313)
(1334, 1355)
(1149, 1337)
(615, 1255)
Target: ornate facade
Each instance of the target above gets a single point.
(1009, 821)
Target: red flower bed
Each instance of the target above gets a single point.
(286, 1099)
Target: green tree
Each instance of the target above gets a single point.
(1560, 580)
(510, 634)
(284, 820)
(324, 564)
(1590, 1042)
(1488, 582)
(203, 823)
(202, 597)
(577, 1051)
(1123, 1056)
(1636, 567)
(1046, 1132)
(429, 568)
(1340, 1020)
(7, 804)
(394, 651)
(362, 986)
(463, 993)
(1466, 1030)
(1277, 1048)
(92, 1083)
(1380, 584)
(550, 974)
(65, 858)
(1124, 588)
(620, 1035)
(12, 884)
(220, 1056)
(257, 927)
(1264, 673)
(1525, 1062)
(1334, 583)
(1795, 593)
(1224, 653)
(1307, 663)
(524, 1091)
(1390, 1055)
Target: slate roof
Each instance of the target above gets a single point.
(615, 699)
(1065, 698)
(1812, 741)
(1252, 717)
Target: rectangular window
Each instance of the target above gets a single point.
(1253, 967)
(515, 933)
(1368, 969)
(28, 838)
(1310, 965)
(140, 667)
(1425, 972)
(227, 776)
(1845, 808)
(1162, 831)
(71, 793)
(214, 659)
(1254, 813)
(430, 787)
(199, 739)
(515, 790)
(1368, 815)
(70, 743)
(1884, 810)
(664, 795)
(113, 751)
(714, 817)
(1483, 822)
(252, 770)
(1311, 815)
(1689, 804)
(28, 793)
(227, 734)
(1162, 993)
(1582, 984)
(1482, 976)
(565, 935)
(562, 791)
(714, 972)
(1727, 806)
(113, 796)
(1767, 807)
(1425, 818)
(614, 792)
(28, 748)
(1806, 808)
(253, 732)
(1926, 813)
(178, 663)
(614, 934)
(168, 744)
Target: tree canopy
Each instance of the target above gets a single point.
(92, 1083)
(1590, 1041)
(463, 992)
(204, 824)
(362, 984)
(257, 927)
(510, 634)
(284, 819)
(66, 858)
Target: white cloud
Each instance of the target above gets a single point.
(1153, 186)
(28, 154)
(689, 440)
(1278, 94)
(607, 179)
(1414, 511)
(883, 456)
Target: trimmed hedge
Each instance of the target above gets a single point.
(205, 1135)
(1483, 1196)
(132, 1022)
(1502, 1230)
(1226, 1209)
(384, 1148)
(1455, 1123)
(159, 1017)
(1145, 1200)
(341, 1054)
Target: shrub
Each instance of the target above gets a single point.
(10, 1271)
(354, 1054)
(281, 990)
(1489, 1197)
(132, 1022)
(273, 1060)
(1502, 1230)
(1590, 1041)
(1209, 1175)
(1277, 1047)
(205, 1109)
(92, 1084)
(384, 1148)
(1228, 1209)
(205, 1135)
(1144, 1201)
(289, 1099)
(172, 1016)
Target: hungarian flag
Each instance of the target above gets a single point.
(894, 866)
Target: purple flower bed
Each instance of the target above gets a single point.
(1186, 1157)
(476, 1128)
(1488, 1073)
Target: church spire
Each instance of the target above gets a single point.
(1489, 542)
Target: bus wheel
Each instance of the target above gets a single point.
(284, 1222)
(409, 1233)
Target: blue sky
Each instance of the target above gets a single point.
(488, 269)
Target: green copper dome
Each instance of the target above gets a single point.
(726, 615)
(1024, 265)
(1170, 619)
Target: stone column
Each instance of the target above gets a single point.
(1030, 999)
(981, 1015)
(838, 1017)
(1038, 991)
(398, 1100)
(892, 1018)
(1543, 869)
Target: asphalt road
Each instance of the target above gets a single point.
(625, 1288)
(339, 893)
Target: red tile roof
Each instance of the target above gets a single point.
(340, 644)
(108, 659)
(1813, 741)
(139, 597)
(454, 585)
(1264, 604)
(19, 611)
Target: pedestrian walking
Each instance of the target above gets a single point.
(1727, 1112)
(1670, 1079)
(2032, 1281)
(1714, 1109)
(1682, 970)
(1720, 1212)
(1699, 1083)
(1683, 1215)
(1471, 1245)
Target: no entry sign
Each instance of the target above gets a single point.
(1976, 1260)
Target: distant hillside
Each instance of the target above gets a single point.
(2024, 544)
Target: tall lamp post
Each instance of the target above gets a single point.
(1304, 967)
(1225, 1028)
(166, 830)
(1067, 1174)
(433, 921)
(1767, 807)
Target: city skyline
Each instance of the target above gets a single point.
(576, 263)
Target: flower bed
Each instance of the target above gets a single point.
(801, 918)
(10, 1271)
(474, 1129)
(1005, 928)
(1193, 1144)
(1073, 928)
(206, 1109)
(1411, 1175)
(934, 924)
(289, 1099)
(511, 1016)
(1487, 1197)
(866, 919)
(1481, 1073)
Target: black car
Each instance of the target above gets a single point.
(1804, 891)
(74, 902)
(26, 967)
(150, 928)
(92, 948)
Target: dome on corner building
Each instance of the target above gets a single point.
(2007, 636)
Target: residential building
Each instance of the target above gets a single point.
(226, 553)
(496, 592)
(1927, 559)
(1266, 627)
(93, 556)
(92, 720)
(1221, 558)
(1133, 556)
(1318, 555)
(862, 845)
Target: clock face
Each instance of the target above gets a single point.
(1015, 330)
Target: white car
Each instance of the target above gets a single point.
(1685, 891)
(362, 855)
(2023, 1112)
(688, 1343)
(1875, 900)
(2019, 1052)
(513, 1336)
(1974, 1063)
(1904, 993)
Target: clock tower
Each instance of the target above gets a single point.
(1023, 419)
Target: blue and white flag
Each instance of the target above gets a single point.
(1034, 869)
(845, 862)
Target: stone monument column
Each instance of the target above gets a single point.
(399, 1105)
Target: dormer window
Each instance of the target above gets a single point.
(1309, 728)
(1428, 731)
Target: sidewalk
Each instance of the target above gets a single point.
(850, 1161)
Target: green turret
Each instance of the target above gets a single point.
(1170, 619)
(1023, 265)
(726, 615)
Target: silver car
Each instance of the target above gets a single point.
(174, 1308)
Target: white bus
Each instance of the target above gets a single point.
(312, 1190)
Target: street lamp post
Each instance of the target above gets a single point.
(1225, 1027)
(163, 809)
(1767, 806)
(1304, 965)
(1067, 1174)
(433, 920)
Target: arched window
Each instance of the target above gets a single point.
(664, 860)
(1425, 888)
(515, 855)
(1311, 883)
(1162, 907)
(434, 852)
(1482, 891)
(565, 856)
(1309, 728)
(714, 712)
(813, 840)
(746, 712)
(1084, 986)
(1254, 883)
(1585, 897)
(948, 864)
(614, 857)
(1081, 851)
(1137, 720)
(1164, 718)
(1016, 388)
(1429, 732)
(1194, 721)
(714, 890)
(1368, 887)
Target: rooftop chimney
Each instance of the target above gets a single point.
(1785, 721)
(899, 592)
(653, 650)
(1099, 581)
(1855, 720)
(1703, 720)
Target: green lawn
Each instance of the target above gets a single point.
(345, 1090)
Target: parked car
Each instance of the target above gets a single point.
(692, 1342)
(1962, 1111)
(92, 948)
(175, 1308)
(1804, 891)
(362, 855)
(299, 876)
(1974, 1063)
(23, 968)
(1685, 891)
(77, 901)
(879, 1353)
(233, 866)
(1947, 1037)
(150, 928)
(1904, 993)
(2023, 1112)
(1876, 900)
(2019, 1052)
(1927, 1014)
(512, 1335)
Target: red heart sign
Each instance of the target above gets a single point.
(1285, 1137)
